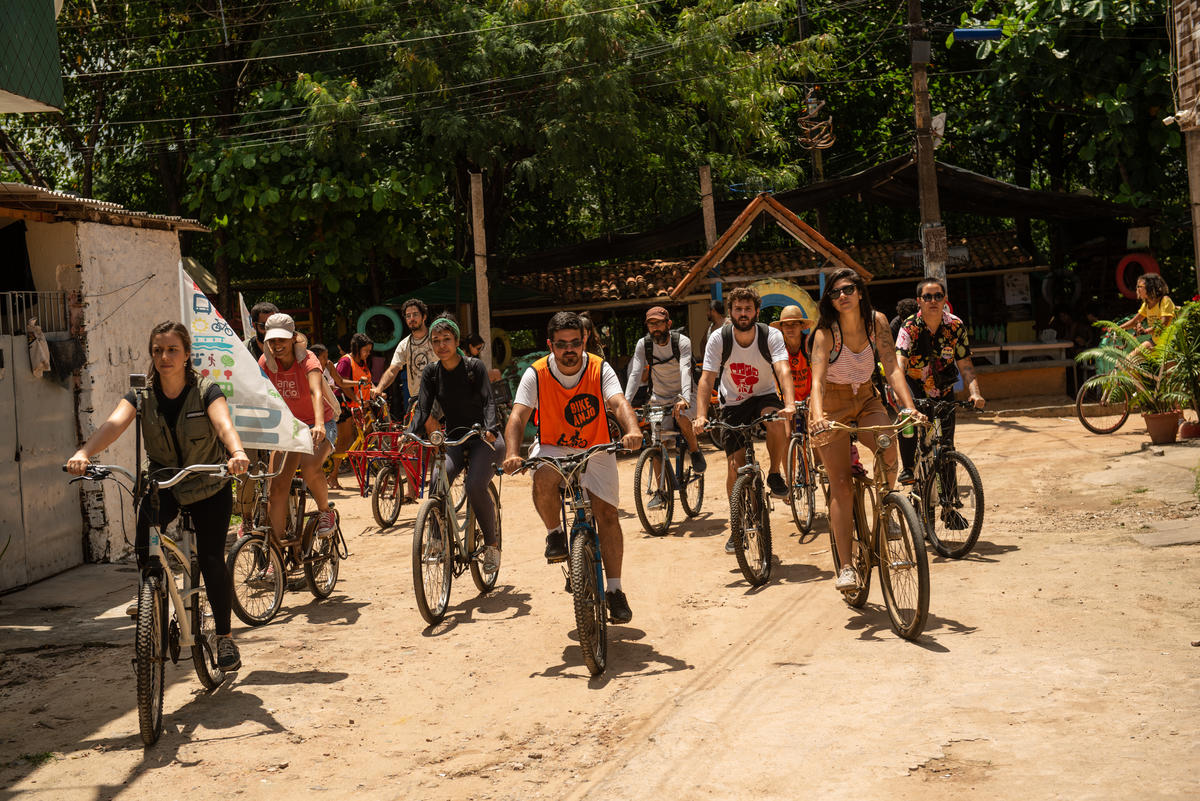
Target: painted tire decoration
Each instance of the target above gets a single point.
(1057, 282)
(382, 311)
(502, 352)
(1143, 260)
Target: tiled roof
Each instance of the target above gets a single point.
(62, 206)
(655, 277)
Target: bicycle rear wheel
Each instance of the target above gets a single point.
(691, 494)
(204, 636)
(903, 567)
(484, 581)
(860, 557)
(257, 579)
(952, 501)
(801, 494)
(1098, 414)
(150, 656)
(751, 529)
(591, 609)
(386, 495)
(322, 560)
(648, 489)
(432, 561)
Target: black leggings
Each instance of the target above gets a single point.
(210, 518)
(485, 459)
(908, 445)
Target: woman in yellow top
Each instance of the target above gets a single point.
(1156, 312)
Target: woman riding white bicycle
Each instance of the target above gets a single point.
(850, 339)
(460, 385)
(185, 420)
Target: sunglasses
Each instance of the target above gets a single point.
(930, 298)
(574, 344)
(843, 291)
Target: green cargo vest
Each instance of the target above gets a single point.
(195, 442)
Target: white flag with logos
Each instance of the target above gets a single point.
(247, 324)
(260, 415)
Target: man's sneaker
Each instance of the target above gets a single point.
(698, 463)
(656, 501)
(556, 546)
(131, 610)
(491, 559)
(906, 477)
(777, 485)
(847, 580)
(326, 523)
(954, 521)
(730, 545)
(618, 607)
(228, 657)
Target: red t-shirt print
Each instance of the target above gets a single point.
(744, 376)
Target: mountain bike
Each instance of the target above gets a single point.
(442, 549)
(653, 487)
(947, 489)
(585, 566)
(802, 475)
(262, 567)
(750, 507)
(888, 533)
(173, 611)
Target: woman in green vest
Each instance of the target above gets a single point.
(185, 420)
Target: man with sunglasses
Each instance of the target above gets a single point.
(933, 349)
(570, 388)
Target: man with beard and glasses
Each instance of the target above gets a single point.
(748, 358)
(664, 359)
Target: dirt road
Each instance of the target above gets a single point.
(1057, 663)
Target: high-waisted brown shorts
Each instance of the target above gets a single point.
(844, 405)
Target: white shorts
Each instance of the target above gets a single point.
(669, 420)
(599, 477)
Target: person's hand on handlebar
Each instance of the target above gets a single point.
(632, 442)
(238, 463)
(77, 465)
(820, 424)
(787, 412)
(489, 437)
(699, 424)
(977, 400)
(512, 464)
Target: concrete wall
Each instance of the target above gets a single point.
(49, 245)
(1024, 379)
(130, 281)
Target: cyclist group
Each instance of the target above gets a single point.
(833, 363)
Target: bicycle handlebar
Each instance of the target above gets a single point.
(564, 464)
(98, 472)
(476, 430)
(766, 418)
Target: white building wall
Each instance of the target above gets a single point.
(130, 282)
(49, 245)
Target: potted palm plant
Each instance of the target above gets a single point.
(1179, 348)
(1135, 373)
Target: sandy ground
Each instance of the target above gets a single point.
(1058, 662)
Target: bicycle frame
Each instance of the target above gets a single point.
(674, 477)
(439, 488)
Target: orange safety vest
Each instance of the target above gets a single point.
(572, 418)
(359, 395)
(801, 374)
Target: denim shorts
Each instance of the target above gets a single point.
(331, 432)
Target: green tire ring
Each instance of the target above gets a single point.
(382, 311)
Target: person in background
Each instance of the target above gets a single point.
(1157, 310)
(259, 315)
(905, 308)
(244, 505)
(350, 370)
(474, 344)
(592, 337)
(716, 317)
(413, 355)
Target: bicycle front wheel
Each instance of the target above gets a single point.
(903, 567)
(204, 637)
(801, 495)
(751, 527)
(321, 560)
(484, 581)
(432, 561)
(591, 609)
(257, 578)
(1097, 413)
(652, 493)
(386, 496)
(952, 501)
(150, 656)
(860, 556)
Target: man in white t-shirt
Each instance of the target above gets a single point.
(669, 376)
(757, 359)
(415, 352)
(570, 388)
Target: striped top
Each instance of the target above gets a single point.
(852, 368)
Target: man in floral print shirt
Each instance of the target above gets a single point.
(933, 349)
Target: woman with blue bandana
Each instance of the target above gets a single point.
(459, 384)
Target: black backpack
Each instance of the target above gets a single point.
(648, 357)
(727, 345)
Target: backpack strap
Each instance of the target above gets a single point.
(648, 350)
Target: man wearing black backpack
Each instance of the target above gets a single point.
(748, 358)
(663, 359)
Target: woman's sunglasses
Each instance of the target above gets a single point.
(930, 298)
(842, 291)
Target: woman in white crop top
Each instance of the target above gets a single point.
(843, 362)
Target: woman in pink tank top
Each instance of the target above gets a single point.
(850, 337)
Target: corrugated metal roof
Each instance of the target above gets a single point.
(36, 200)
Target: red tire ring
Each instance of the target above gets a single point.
(1148, 265)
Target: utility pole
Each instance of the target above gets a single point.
(1185, 30)
(933, 233)
(483, 306)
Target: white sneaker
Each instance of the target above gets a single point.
(847, 580)
(491, 559)
(656, 501)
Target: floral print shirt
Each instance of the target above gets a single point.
(932, 357)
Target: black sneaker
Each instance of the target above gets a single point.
(228, 657)
(618, 607)
(556, 546)
(698, 463)
(906, 477)
(730, 547)
(777, 485)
